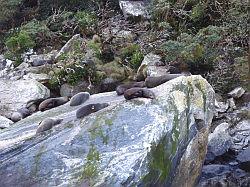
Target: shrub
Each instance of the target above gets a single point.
(38, 31)
(17, 45)
(96, 47)
(132, 55)
(8, 9)
(62, 24)
(136, 60)
(199, 51)
(72, 68)
(86, 22)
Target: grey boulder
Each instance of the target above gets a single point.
(21, 93)
(236, 93)
(141, 142)
(5, 122)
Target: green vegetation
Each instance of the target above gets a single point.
(8, 9)
(96, 47)
(73, 68)
(38, 31)
(17, 45)
(86, 22)
(90, 169)
(133, 55)
(209, 37)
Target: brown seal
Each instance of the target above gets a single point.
(47, 124)
(91, 108)
(138, 92)
(123, 87)
(152, 82)
(79, 98)
(20, 114)
(52, 103)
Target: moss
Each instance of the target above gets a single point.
(109, 122)
(163, 152)
(201, 87)
(37, 160)
(90, 168)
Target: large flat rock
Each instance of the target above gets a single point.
(141, 142)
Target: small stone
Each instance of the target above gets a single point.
(68, 90)
(151, 66)
(236, 93)
(221, 107)
(234, 163)
(231, 104)
(108, 84)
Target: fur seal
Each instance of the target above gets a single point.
(20, 114)
(52, 103)
(47, 124)
(16, 116)
(123, 87)
(152, 82)
(138, 92)
(91, 108)
(79, 98)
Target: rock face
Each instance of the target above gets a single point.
(142, 142)
(39, 60)
(227, 160)
(17, 94)
(69, 45)
(134, 9)
(5, 122)
(151, 66)
(237, 92)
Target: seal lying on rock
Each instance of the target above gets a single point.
(20, 114)
(138, 92)
(47, 124)
(91, 108)
(122, 88)
(79, 98)
(52, 103)
(152, 82)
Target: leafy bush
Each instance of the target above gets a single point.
(8, 9)
(72, 68)
(17, 45)
(132, 55)
(96, 47)
(136, 60)
(38, 31)
(86, 22)
(199, 51)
